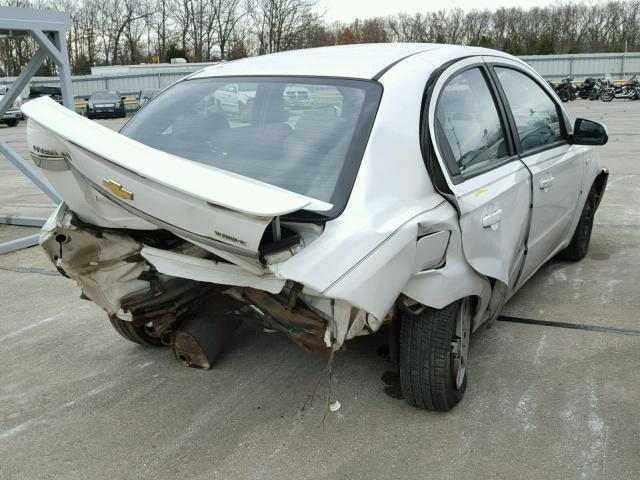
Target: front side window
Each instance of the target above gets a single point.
(301, 134)
(468, 125)
(535, 114)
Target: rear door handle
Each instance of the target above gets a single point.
(492, 219)
(546, 183)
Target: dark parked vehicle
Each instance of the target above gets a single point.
(565, 89)
(46, 91)
(105, 104)
(147, 94)
(585, 89)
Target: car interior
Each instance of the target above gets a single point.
(300, 151)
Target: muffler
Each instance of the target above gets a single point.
(201, 338)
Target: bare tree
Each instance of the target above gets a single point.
(105, 32)
(226, 16)
(278, 23)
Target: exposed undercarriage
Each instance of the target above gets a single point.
(110, 267)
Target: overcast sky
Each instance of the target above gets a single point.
(348, 10)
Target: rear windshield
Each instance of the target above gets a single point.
(306, 135)
(106, 96)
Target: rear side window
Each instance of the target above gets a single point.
(535, 114)
(470, 134)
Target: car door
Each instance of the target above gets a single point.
(488, 183)
(555, 165)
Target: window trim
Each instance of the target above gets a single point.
(511, 119)
(456, 176)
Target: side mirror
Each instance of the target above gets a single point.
(86, 99)
(588, 132)
(123, 98)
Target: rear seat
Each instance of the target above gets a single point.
(306, 160)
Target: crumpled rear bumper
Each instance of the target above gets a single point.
(156, 286)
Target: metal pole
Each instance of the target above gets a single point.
(19, 243)
(64, 71)
(570, 66)
(22, 221)
(30, 172)
(22, 80)
(624, 60)
(61, 59)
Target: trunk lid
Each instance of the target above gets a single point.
(209, 206)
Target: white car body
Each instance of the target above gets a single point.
(399, 242)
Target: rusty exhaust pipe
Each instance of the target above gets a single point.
(200, 339)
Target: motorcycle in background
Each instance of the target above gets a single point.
(585, 89)
(630, 90)
(565, 89)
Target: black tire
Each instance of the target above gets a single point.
(579, 245)
(133, 333)
(12, 122)
(564, 96)
(428, 375)
(607, 96)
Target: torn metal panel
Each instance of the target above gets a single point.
(301, 324)
(211, 271)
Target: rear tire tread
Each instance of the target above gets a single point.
(579, 246)
(425, 359)
(133, 333)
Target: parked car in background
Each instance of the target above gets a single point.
(13, 115)
(238, 99)
(147, 94)
(425, 187)
(37, 91)
(105, 104)
(235, 98)
(297, 97)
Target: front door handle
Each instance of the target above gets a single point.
(546, 183)
(492, 219)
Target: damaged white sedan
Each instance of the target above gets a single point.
(413, 185)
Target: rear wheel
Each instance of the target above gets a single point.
(579, 246)
(134, 333)
(564, 95)
(434, 350)
(606, 96)
(12, 122)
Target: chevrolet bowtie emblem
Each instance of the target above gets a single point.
(117, 189)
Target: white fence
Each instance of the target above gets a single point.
(618, 66)
(127, 84)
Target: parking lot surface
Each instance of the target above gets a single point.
(78, 401)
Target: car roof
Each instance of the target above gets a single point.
(365, 61)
